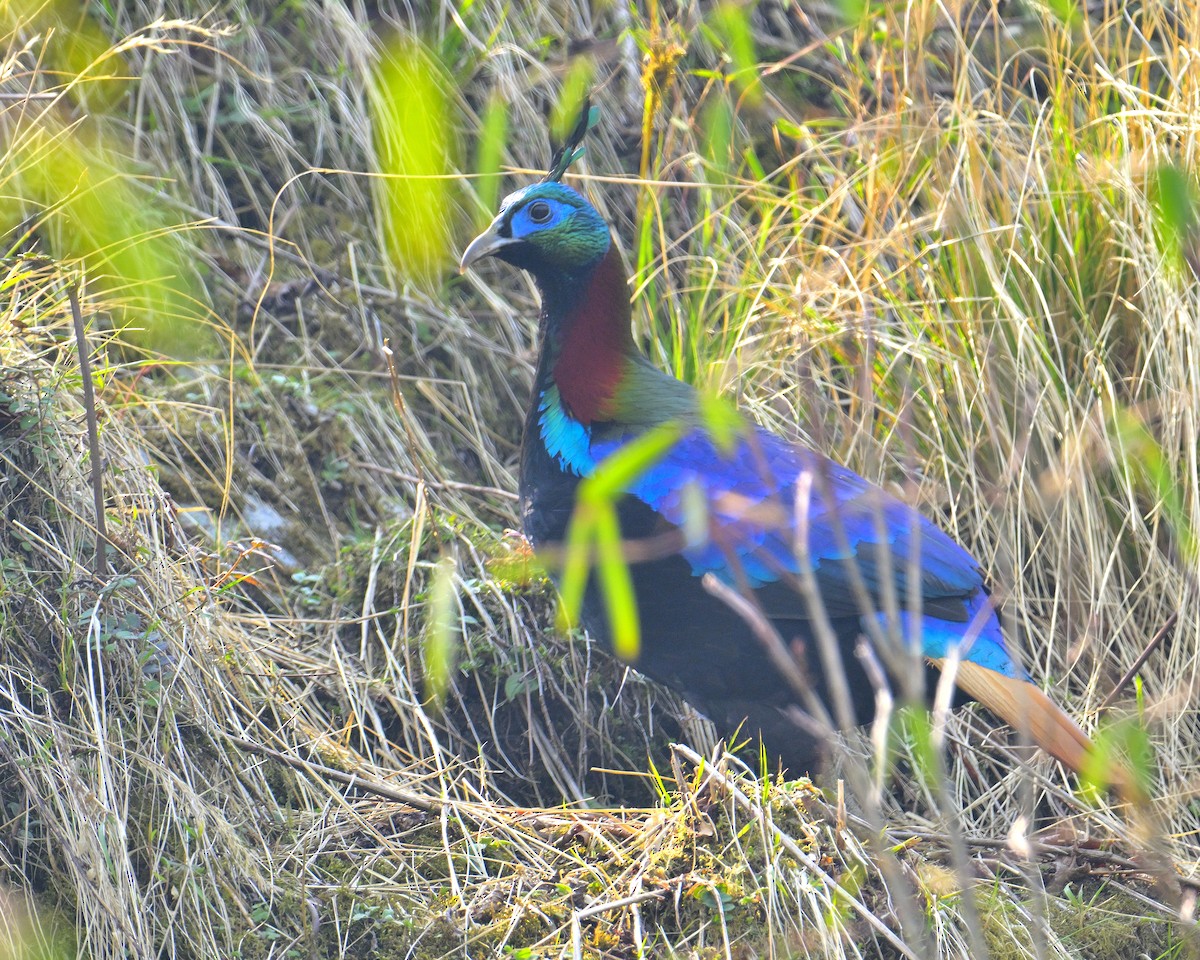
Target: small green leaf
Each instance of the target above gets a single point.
(731, 22)
(618, 471)
(1143, 457)
(413, 123)
(1175, 202)
(722, 420)
(853, 11)
(1067, 11)
(716, 897)
(1176, 216)
(718, 138)
(911, 726)
(575, 87)
(575, 563)
(789, 129)
(1126, 738)
(441, 634)
(619, 598)
(490, 151)
(841, 906)
(694, 502)
(595, 531)
(517, 684)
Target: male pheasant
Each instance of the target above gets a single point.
(594, 392)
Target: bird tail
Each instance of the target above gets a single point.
(1024, 707)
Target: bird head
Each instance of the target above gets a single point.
(546, 228)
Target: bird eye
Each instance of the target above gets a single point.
(539, 212)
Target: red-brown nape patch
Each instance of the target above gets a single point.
(596, 342)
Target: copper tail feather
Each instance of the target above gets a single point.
(1026, 708)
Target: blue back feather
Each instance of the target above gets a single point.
(750, 495)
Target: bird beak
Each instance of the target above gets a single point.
(486, 244)
(1024, 707)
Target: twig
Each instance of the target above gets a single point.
(1157, 639)
(402, 409)
(435, 484)
(89, 406)
(539, 818)
(598, 908)
(211, 221)
(1106, 860)
(369, 784)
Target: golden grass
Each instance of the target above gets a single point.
(930, 247)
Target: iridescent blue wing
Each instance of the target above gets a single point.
(762, 510)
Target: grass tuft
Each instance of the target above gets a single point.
(953, 253)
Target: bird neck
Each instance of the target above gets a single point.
(587, 342)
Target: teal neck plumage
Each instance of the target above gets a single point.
(588, 343)
(591, 375)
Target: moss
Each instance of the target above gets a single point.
(711, 867)
(1105, 923)
(1095, 920)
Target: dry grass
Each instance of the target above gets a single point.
(931, 248)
